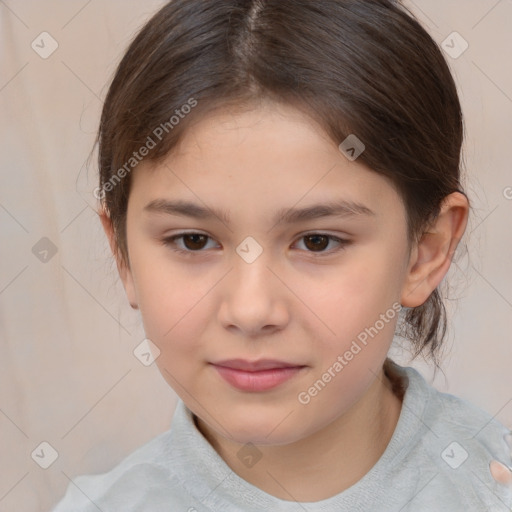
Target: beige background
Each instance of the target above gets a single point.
(67, 369)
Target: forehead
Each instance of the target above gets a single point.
(262, 159)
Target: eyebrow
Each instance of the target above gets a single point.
(338, 208)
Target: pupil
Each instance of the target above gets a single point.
(315, 238)
(194, 241)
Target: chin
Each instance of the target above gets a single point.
(262, 430)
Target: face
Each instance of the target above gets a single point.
(272, 316)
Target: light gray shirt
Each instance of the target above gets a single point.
(437, 460)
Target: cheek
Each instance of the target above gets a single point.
(170, 300)
(360, 306)
(172, 320)
(353, 296)
(346, 363)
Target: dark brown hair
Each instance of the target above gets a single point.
(363, 67)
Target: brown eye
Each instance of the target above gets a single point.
(316, 242)
(188, 243)
(194, 242)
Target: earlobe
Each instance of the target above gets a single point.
(123, 266)
(432, 256)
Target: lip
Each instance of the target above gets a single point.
(254, 366)
(261, 375)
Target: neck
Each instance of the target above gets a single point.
(329, 461)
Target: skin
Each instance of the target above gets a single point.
(297, 302)
(501, 473)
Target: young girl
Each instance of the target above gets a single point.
(280, 185)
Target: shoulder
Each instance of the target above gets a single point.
(447, 414)
(456, 441)
(145, 477)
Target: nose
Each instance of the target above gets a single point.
(254, 301)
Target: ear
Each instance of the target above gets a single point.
(431, 257)
(123, 266)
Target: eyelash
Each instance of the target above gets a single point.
(170, 242)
